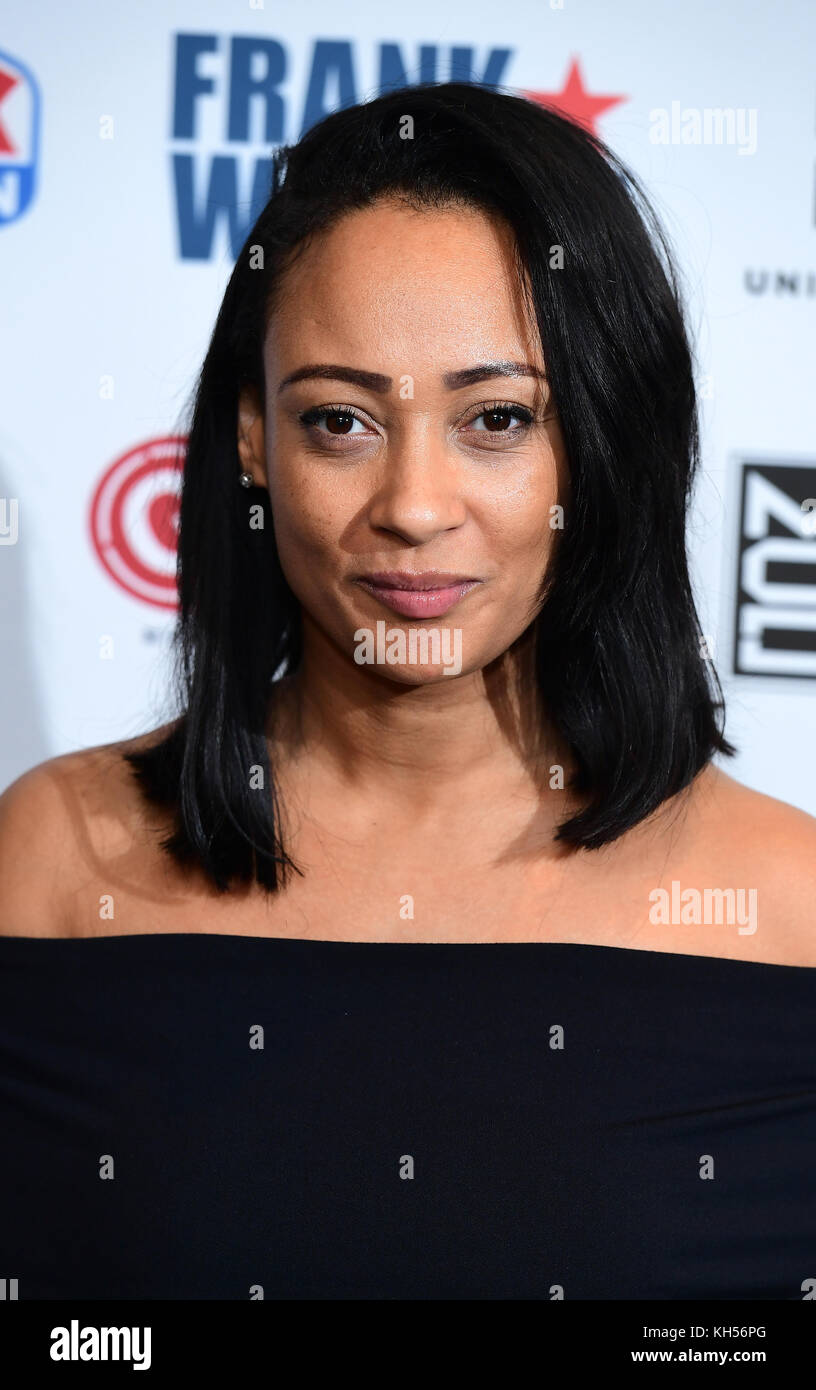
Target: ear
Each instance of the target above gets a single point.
(251, 450)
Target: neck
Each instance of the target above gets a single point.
(416, 745)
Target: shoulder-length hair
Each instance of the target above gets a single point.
(621, 665)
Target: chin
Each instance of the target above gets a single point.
(421, 675)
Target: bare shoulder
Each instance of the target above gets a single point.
(755, 820)
(763, 843)
(63, 823)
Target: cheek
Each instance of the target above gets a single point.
(515, 515)
(310, 511)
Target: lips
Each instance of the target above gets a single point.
(426, 595)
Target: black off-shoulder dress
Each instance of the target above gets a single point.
(195, 1116)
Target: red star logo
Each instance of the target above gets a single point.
(574, 101)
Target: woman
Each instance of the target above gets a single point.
(404, 965)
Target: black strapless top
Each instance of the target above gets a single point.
(421, 1121)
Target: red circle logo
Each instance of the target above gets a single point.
(134, 519)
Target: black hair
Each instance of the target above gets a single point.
(619, 654)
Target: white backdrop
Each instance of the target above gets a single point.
(117, 122)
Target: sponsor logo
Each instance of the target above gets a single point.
(19, 138)
(133, 520)
(775, 630)
(234, 102)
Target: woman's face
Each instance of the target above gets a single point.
(407, 446)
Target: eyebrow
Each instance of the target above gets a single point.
(379, 384)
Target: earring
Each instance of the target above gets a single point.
(245, 479)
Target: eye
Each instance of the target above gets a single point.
(339, 419)
(498, 415)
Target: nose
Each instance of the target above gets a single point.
(420, 489)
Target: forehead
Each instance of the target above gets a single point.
(391, 287)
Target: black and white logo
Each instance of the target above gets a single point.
(775, 632)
